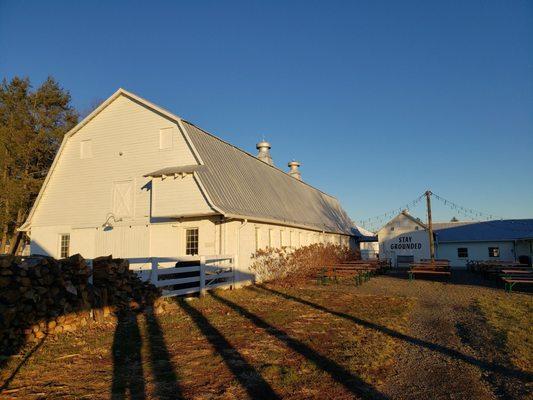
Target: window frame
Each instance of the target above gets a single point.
(461, 250)
(62, 245)
(494, 252)
(192, 242)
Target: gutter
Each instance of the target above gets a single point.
(284, 223)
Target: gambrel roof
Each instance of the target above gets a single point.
(235, 183)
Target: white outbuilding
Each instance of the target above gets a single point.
(405, 239)
(136, 181)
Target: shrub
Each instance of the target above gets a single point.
(292, 265)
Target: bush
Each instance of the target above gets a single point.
(292, 265)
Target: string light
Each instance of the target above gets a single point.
(376, 222)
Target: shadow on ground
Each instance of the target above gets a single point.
(486, 366)
(128, 373)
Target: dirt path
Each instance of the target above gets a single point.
(450, 352)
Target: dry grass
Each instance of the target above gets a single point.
(233, 344)
(510, 317)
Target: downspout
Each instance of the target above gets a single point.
(243, 224)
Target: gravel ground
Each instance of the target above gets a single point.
(450, 352)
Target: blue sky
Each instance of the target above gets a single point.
(379, 100)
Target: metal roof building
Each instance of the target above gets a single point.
(138, 182)
(484, 231)
(404, 239)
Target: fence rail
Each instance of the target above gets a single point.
(206, 272)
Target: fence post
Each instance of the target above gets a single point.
(154, 278)
(232, 263)
(202, 276)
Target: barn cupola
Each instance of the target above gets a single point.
(294, 170)
(264, 152)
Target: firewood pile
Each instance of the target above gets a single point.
(40, 296)
(119, 287)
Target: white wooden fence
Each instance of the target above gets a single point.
(199, 274)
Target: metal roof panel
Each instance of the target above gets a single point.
(239, 183)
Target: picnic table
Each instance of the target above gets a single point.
(429, 267)
(511, 277)
(359, 271)
(517, 271)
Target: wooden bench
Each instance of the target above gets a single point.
(512, 276)
(376, 265)
(333, 272)
(512, 280)
(428, 267)
(438, 272)
(490, 268)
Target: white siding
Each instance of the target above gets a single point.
(176, 196)
(125, 146)
(45, 240)
(476, 251)
(403, 237)
(83, 241)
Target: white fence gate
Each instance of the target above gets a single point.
(196, 274)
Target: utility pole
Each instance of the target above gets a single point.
(430, 226)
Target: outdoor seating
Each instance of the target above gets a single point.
(430, 267)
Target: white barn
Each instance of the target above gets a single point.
(135, 181)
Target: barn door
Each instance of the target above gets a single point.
(123, 199)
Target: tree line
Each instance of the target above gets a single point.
(33, 122)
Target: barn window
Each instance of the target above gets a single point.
(494, 251)
(86, 149)
(392, 228)
(270, 237)
(462, 252)
(64, 245)
(191, 242)
(165, 138)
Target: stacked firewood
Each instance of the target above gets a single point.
(119, 287)
(41, 296)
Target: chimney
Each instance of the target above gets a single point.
(264, 152)
(294, 171)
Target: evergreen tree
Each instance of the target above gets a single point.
(32, 125)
